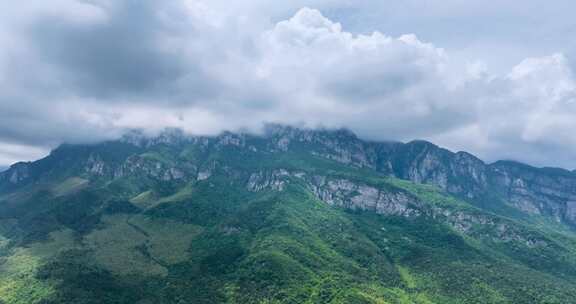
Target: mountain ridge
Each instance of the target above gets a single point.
(136, 137)
(417, 161)
(291, 216)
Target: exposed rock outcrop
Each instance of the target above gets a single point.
(16, 174)
(534, 191)
(353, 195)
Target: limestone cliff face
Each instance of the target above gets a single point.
(549, 192)
(355, 196)
(340, 192)
(391, 201)
(545, 192)
(265, 180)
(535, 191)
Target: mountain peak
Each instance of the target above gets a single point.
(254, 211)
(172, 153)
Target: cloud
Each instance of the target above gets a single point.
(83, 71)
(12, 153)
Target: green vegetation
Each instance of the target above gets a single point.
(136, 239)
(69, 185)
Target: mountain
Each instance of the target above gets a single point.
(291, 216)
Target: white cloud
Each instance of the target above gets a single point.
(13, 153)
(208, 66)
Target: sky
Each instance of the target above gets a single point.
(492, 77)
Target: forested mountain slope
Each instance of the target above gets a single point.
(292, 216)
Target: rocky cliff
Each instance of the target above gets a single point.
(288, 216)
(544, 192)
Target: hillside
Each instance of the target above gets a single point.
(291, 216)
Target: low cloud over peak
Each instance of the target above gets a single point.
(93, 69)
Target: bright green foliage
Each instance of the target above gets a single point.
(134, 239)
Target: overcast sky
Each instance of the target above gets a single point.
(492, 77)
